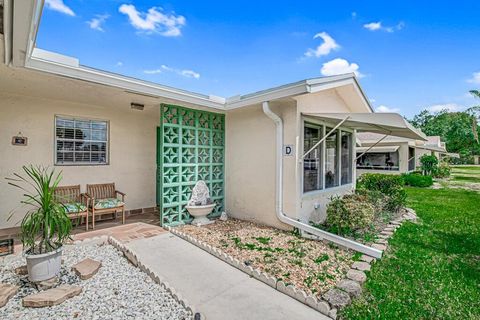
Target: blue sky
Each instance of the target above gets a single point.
(410, 55)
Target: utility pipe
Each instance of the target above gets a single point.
(279, 198)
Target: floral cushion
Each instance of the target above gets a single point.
(108, 203)
(74, 207)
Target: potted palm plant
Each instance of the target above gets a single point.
(46, 226)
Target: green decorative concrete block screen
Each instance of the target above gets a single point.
(191, 148)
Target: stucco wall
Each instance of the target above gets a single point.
(250, 166)
(132, 148)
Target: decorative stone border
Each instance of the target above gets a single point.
(133, 259)
(338, 297)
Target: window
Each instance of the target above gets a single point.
(378, 161)
(346, 157)
(80, 141)
(330, 163)
(312, 178)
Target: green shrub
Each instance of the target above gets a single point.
(443, 170)
(349, 213)
(376, 198)
(389, 185)
(429, 164)
(417, 180)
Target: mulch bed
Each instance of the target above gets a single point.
(310, 265)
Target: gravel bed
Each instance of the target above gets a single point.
(310, 265)
(118, 291)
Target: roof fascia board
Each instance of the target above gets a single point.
(269, 95)
(118, 81)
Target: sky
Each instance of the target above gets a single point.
(408, 55)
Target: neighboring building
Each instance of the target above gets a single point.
(259, 153)
(394, 155)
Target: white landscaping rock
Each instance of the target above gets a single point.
(118, 290)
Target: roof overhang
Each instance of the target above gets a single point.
(432, 148)
(380, 149)
(391, 124)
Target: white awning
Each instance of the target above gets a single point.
(392, 124)
(381, 149)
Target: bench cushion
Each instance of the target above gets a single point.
(74, 207)
(108, 203)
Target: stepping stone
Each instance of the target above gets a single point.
(337, 297)
(379, 246)
(367, 258)
(51, 297)
(6, 292)
(21, 271)
(351, 287)
(86, 268)
(356, 275)
(360, 265)
(46, 284)
(387, 233)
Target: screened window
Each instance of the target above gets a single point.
(346, 157)
(80, 141)
(330, 163)
(312, 177)
(379, 161)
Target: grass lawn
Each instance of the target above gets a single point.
(432, 269)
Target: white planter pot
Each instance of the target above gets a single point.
(44, 266)
(200, 214)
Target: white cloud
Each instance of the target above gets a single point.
(354, 15)
(153, 71)
(190, 74)
(97, 22)
(376, 26)
(450, 107)
(182, 72)
(119, 64)
(475, 79)
(154, 21)
(384, 108)
(58, 5)
(328, 45)
(340, 66)
(373, 26)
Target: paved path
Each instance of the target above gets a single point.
(215, 288)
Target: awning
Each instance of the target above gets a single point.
(392, 124)
(433, 148)
(381, 149)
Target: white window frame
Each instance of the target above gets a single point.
(325, 124)
(73, 163)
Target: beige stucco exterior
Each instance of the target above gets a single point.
(132, 148)
(251, 163)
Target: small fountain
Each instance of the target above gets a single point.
(200, 204)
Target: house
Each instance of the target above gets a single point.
(274, 157)
(378, 153)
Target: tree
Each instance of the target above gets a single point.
(457, 129)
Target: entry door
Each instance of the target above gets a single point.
(191, 148)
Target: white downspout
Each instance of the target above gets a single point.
(279, 198)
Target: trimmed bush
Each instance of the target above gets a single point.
(429, 164)
(443, 170)
(349, 213)
(417, 180)
(388, 184)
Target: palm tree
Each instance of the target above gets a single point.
(475, 93)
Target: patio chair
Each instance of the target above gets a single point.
(103, 200)
(74, 202)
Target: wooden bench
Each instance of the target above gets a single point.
(75, 202)
(103, 200)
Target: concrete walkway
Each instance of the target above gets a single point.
(215, 288)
